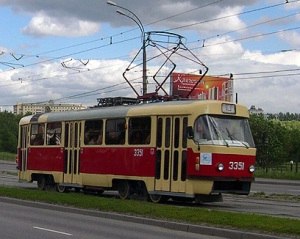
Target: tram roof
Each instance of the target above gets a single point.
(184, 107)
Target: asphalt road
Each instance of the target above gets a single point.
(275, 186)
(32, 220)
(44, 224)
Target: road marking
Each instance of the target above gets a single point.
(49, 230)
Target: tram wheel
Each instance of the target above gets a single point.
(156, 198)
(41, 182)
(123, 189)
(60, 188)
(100, 192)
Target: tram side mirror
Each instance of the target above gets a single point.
(190, 132)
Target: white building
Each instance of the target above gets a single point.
(38, 108)
(254, 110)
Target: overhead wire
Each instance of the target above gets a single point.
(228, 16)
(250, 11)
(249, 37)
(94, 92)
(250, 26)
(75, 45)
(169, 29)
(109, 37)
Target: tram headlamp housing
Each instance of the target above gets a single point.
(220, 167)
(251, 168)
(228, 108)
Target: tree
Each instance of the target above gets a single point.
(276, 140)
(9, 131)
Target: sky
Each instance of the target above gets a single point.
(77, 51)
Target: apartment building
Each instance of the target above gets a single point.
(254, 110)
(38, 108)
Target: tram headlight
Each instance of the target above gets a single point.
(251, 169)
(220, 167)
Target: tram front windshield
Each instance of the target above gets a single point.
(223, 130)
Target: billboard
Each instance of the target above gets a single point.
(210, 87)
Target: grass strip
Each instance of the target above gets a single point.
(189, 214)
(8, 156)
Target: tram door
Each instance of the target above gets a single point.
(171, 142)
(23, 151)
(72, 152)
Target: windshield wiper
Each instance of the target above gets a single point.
(217, 130)
(230, 135)
(234, 138)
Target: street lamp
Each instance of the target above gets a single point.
(141, 27)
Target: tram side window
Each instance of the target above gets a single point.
(115, 131)
(37, 134)
(140, 130)
(184, 132)
(159, 132)
(54, 133)
(93, 132)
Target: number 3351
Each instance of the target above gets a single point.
(236, 165)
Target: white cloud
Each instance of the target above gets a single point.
(292, 5)
(52, 81)
(230, 23)
(281, 58)
(291, 38)
(105, 78)
(222, 48)
(44, 25)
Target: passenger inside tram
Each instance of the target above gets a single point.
(202, 131)
(137, 138)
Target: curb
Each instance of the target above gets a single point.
(277, 182)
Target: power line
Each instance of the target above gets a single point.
(72, 54)
(93, 92)
(176, 15)
(106, 45)
(250, 11)
(267, 72)
(246, 38)
(182, 13)
(267, 76)
(240, 29)
(228, 16)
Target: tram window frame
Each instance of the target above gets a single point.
(166, 164)
(176, 132)
(184, 132)
(53, 138)
(141, 126)
(168, 132)
(159, 128)
(37, 134)
(115, 131)
(93, 132)
(183, 165)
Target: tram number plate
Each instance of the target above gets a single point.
(236, 165)
(138, 152)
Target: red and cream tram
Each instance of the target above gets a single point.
(190, 149)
